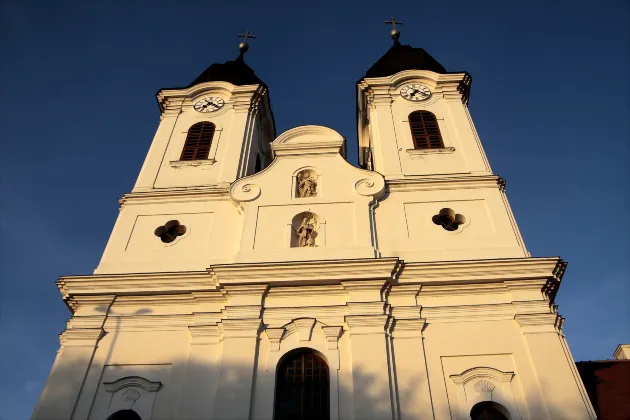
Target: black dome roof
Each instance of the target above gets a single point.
(404, 57)
(235, 72)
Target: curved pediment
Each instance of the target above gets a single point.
(308, 140)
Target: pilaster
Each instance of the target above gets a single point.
(78, 344)
(202, 371)
(370, 366)
(558, 378)
(412, 379)
(240, 331)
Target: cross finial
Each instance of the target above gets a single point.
(244, 46)
(395, 33)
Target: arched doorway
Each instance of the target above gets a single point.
(124, 415)
(489, 410)
(302, 387)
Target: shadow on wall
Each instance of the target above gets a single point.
(190, 389)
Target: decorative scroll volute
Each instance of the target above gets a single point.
(373, 185)
(244, 191)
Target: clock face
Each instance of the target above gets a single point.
(210, 104)
(415, 92)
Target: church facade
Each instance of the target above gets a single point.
(251, 275)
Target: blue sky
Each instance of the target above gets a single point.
(550, 100)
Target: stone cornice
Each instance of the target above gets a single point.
(304, 272)
(172, 195)
(549, 271)
(429, 183)
(75, 289)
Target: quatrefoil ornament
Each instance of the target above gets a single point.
(170, 231)
(449, 220)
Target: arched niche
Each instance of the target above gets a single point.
(483, 384)
(306, 230)
(307, 184)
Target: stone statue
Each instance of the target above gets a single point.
(307, 185)
(306, 232)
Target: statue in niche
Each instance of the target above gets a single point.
(306, 232)
(307, 184)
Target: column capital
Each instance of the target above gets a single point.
(540, 323)
(365, 290)
(367, 324)
(204, 334)
(408, 328)
(81, 337)
(240, 328)
(332, 336)
(275, 336)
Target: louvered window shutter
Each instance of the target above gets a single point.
(198, 141)
(425, 130)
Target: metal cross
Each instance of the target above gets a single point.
(245, 36)
(393, 22)
(395, 33)
(244, 46)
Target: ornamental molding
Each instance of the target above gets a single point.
(303, 327)
(132, 381)
(77, 290)
(482, 373)
(415, 153)
(469, 313)
(308, 140)
(439, 84)
(240, 328)
(176, 195)
(374, 186)
(148, 322)
(178, 164)
(292, 273)
(81, 337)
(205, 334)
(430, 183)
(275, 336)
(539, 270)
(368, 324)
(540, 323)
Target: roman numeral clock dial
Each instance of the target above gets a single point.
(415, 92)
(210, 104)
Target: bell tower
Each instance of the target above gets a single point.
(213, 131)
(413, 117)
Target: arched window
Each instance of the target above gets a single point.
(488, 410)
(124, 415)
(198, 141)
(425, 130)
(302, 387)
(258, 166)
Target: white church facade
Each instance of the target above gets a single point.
(251, 275)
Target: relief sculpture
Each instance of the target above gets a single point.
(306, 184)
(305, 230)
